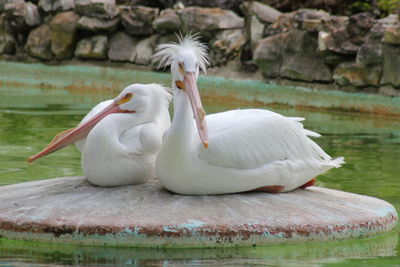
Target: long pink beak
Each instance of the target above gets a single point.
(70, 136)
(192, 91)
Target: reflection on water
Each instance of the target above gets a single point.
(312, 254)
(370, 145)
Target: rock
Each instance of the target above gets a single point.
(264, 13)
(391, 65)
(7, 44)
(39, 42)
(225, 4)
(309, 19)
(304, 68)
(391, 35)
(334, 36)
(370, 53)
(257, 15)
(226, 46)
(137, 20)
(357, 75)
(56, 5)
(378, 29)
(22, 15)
(268, 55)
(96, 24)
(359, 25)
(145, 50)
(63, 34)
(389, 91)
(4, 2)
(93, 47)
(104, 9)
(122, 47)
(284, 23)
(204, 20)
(168, 21)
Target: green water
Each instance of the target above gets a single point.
(30, 115)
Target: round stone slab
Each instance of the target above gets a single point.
(69, 210)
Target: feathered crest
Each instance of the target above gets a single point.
(166, 52)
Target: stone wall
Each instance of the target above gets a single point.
(305, 45)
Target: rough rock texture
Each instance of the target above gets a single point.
(203, 20)
(226, 46)
(56, 5)
(22, 15)
(137, 20)
(39, 42)
(96, 24)
(167, 21)
(357, 75)
(105, 9)
(122, 47)
(391, 65)
(63, 34)
(93, 47)
(303, 68)
(145, 50)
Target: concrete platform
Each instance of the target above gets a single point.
(69, 210)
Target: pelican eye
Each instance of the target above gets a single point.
(179, 84)
(181, 68)
(125, 99)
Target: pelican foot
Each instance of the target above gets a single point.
(270, 189)
(312, 182)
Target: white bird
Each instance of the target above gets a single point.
(245, 150)
(119, 138)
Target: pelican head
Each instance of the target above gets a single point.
(141, 99)
(186, 59)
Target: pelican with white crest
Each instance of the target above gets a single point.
(232, 151)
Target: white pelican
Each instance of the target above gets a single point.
(245, 150)
(119, 138)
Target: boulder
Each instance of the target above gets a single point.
(256, 16)
(378, 29)
(122, 47)
(167, 21)
(7, 40)
(96, 24)
(350, 73)
(225, 4)
(359, 25)
(226, 46)
(370, 53)
(4, 2)
(137, 20)
(39, 42)
(63, 34)
(391, 35)
(145, 50)
(268, 55)
(309, 19)
(305, 68)
(391, 65)
(204, 20)
(56, 5)
(105, 9)
(7, 44)
(93, 47)
(22, 15)
(284, 23)
(264, 13)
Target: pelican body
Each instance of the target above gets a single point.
(233, 151)
(119, 138)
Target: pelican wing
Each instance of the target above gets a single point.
(251, 138)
